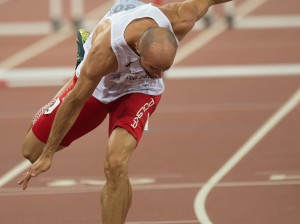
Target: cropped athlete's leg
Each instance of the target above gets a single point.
(32, 147)
(116, 195)
(128, 118)
(45, 107)
(91, 116)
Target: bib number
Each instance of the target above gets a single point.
(122, 7)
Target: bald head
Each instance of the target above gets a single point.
(157, 35)
(158, 39)
(157, 47)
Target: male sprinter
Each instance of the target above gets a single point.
(121, 75)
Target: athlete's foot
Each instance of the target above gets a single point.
(82, 36)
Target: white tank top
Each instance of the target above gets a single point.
(130, 76)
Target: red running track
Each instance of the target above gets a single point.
(199, 125)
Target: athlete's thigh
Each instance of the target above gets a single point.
(132, 112)
(92, 115)
(121, 145)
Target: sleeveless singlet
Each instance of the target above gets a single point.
(130, 76)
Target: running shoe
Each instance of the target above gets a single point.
(82, 36)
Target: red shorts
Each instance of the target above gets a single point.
(130, 112)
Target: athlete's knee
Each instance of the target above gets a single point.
(115, 166)
(120, 147)
(27, 151)
(114, 173)
(32, 147)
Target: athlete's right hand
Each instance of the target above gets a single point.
(41, 165)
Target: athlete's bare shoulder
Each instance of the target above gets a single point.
(101, 30)
(101, 60)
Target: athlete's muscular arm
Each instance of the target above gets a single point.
(184, 15)
(99, 62)
(203, 5)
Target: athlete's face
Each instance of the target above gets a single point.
(155, 61)
(152, 69)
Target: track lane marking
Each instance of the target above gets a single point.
(74, 189)
(29, 77)
(277, 177)
(11, 174)
(201, 196)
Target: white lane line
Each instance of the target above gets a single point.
(25, 28)
(14, 172)
(22, 77)
(218, 28)
(276, 177)
(229, 71)
(74, 188)
(200, 199)
(267, 22)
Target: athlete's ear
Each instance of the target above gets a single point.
(137, 48)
